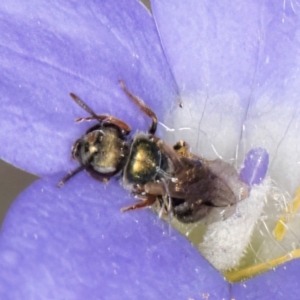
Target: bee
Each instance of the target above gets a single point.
(183, 184)
(202, 188)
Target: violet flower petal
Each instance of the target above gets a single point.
(197, 38)
(251, 48)
(74, 243)
(224, 45)
(74, 231)
(51, 49)
(282, 283)
(213, 50)
(246, 50)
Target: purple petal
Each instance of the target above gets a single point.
(223, 45)
(56, 56)
(51, 49)
(282, 283)
(211, 46)
(255, 166)
(249, 51)
(243, 58)
(213, 49)
(74, 243)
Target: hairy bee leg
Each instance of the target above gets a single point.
(182, 148)
(155, 188)
(145, 203)
(183, 211)
(69, 176)
(99, 177)
(148, 111)
(108, 120)
(83, 105)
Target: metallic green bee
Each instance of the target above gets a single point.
(185, 185)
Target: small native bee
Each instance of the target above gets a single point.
(202, 186)
(184, 184)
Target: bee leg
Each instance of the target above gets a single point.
(155, 188)
(145, 203)
(149, 112)
(69, 176)
(182, 148)
(108, 120)
(98, 176)
(101, 118)
(190, 213)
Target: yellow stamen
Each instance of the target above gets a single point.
(234, 276)
(281, 226)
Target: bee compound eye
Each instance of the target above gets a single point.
(86, 148)
(75, 149)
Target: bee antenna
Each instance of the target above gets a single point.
(69, 175)
(83, 105)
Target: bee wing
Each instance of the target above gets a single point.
(227, 174)
(206, 191)
(217, 214)
(202, 189)
(196, 181)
